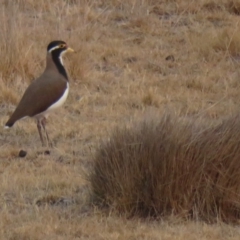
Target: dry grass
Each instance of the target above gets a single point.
(167, 165)
(132, 56)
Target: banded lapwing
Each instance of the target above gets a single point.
(46, 93)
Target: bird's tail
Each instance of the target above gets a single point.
(9, 124)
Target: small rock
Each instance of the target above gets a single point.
(22, 153)
(170, 58)
(47, 152)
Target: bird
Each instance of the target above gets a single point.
(47, 92)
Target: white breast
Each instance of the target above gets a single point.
(54, 106)
(61, 101)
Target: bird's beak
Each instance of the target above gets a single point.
(70, 49)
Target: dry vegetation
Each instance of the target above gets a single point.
(132, 56)
(171, 165)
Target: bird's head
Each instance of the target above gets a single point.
(58, 48)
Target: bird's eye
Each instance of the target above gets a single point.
(62, 46)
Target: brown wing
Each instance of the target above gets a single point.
(39, 95)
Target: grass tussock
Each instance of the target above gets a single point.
(170, 165)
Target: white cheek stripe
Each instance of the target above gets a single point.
(60, 58)
(62, 53)
(50, 50)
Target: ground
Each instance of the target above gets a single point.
(131, 57)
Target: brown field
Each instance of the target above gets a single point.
(132, 56)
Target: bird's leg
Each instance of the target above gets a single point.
(44, 121)
(39, 126)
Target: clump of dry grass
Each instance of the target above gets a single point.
(171, 165)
